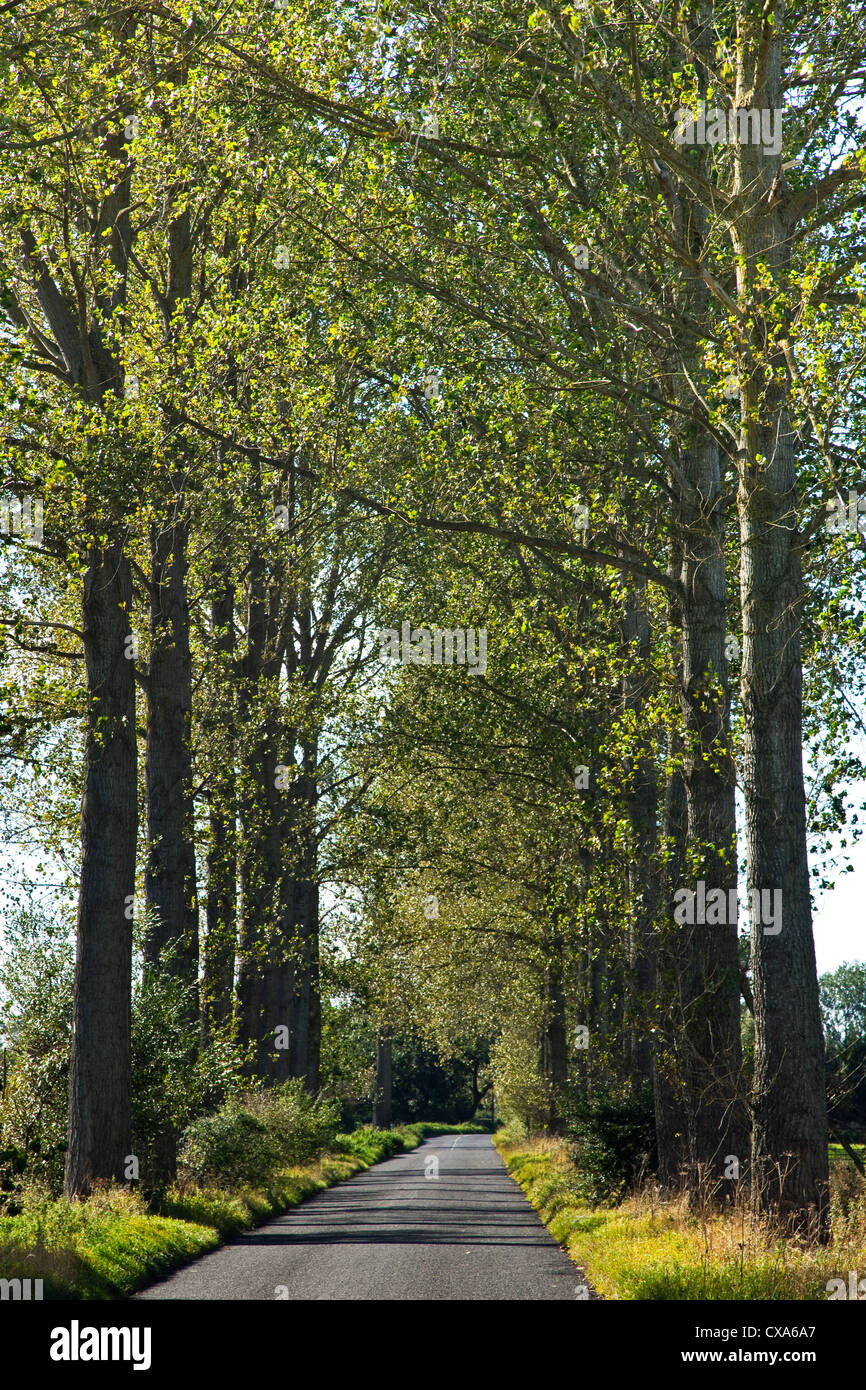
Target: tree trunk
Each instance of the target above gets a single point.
(221, 914)
(706, 1006)
(671, 1121)
(305, 1008)
(170, 875)
(221, 910)
(789, 1143)
(99, 1073)
(171, 942)
(261, 956)
(554, 1038)
(301, 998)
(789, 1155)
(382, 1103)
(642, 872)
(718, 1126)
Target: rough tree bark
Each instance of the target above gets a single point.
(789, 1142)
(671, 1115)
(259, 860)
(99, 1073)
(383, 1099)
(554, 1038)
(171, 940)
(642, 873)
(99, 1135)
(301, 1000)
(261, 955)
(709, 1002)
(221, 859)
(710, 1119)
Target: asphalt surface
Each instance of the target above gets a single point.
(443, 1222)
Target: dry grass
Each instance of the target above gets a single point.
(655, 1248)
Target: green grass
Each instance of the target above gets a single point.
(110, 1245)
(837, 1153)
(647, 1249)
(230, 1212)
(105, 1247)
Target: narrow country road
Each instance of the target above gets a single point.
(443, 1222)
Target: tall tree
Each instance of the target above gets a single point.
(65, 293)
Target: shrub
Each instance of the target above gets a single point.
(300, 1126)
(429, 1129)
(615, 1141)
(36, 969)
(229, 1148)
(174, 1078)
(514, 1131)
(256, 1135)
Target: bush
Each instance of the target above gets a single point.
(257, 1134)
(174, 1078)
(300, 1126)
(230, 1148)
(615, 1141)
(514, 1131)
(429, 1129)
(36, 970)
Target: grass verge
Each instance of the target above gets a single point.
(651, 1249)
(111, 1244)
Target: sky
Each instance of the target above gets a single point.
(839, 925)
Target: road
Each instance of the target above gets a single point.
(443, 1222)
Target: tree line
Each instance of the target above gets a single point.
(325, 320)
